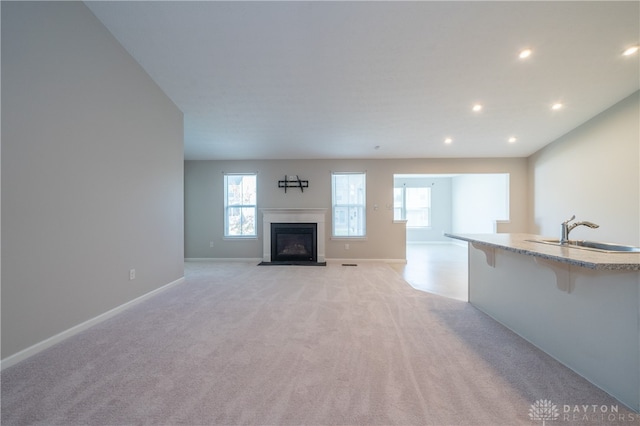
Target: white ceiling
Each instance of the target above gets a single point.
(293, 80)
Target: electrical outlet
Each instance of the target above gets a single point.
(211, 244)
(132, 274)
(346, 246)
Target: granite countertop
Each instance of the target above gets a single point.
(520, 243)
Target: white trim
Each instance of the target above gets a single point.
(331, 261)
(460, 243)
(292, 215)
(47, 343)
(258, 260)
(429, 242)
(223, 259)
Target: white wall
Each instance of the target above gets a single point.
(594, 173)
(92, 174)
(385, 240)
(478, 201)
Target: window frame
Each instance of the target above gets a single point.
(227, 207)
(362, 207)
(403, 207)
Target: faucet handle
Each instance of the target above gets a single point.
(569, 220)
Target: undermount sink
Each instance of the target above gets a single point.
(591, 245)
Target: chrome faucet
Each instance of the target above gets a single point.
(566, 228)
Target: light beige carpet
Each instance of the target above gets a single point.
(287, 345)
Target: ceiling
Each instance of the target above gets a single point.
(306, 80)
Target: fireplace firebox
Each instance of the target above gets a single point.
(296, 242)
(294, 216)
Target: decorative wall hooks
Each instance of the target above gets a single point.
(293, 182)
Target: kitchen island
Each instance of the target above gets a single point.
(580, 306)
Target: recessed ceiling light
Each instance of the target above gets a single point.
(477, 107)
(448, 140)
(631, 50)
(512, 139)
(525, 53)
(556, 106)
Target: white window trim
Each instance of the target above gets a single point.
(225, 225)
(404, 209)
(362, 237)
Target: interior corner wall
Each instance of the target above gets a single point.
(204, 208)
(594, 173)
(92, 174)
(478, 201)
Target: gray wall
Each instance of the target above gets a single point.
(594, 173)
(92, 174)
(385, 240)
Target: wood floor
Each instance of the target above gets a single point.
(437, 268)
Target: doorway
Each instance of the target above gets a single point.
(435, 204)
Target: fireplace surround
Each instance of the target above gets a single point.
(315, 216)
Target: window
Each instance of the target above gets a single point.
(240, 209)
(349, 204)
(414, 205)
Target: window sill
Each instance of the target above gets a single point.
(348, 238)
(251, 238)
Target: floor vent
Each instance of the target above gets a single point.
(349, 264)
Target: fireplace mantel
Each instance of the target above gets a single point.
(292, 215)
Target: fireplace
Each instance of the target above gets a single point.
(298, 220)
(294, 242)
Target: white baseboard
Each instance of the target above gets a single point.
(258, 260)
(422, 243)
(403, 261)
(223, 259)
(460, 243)
(40, 346)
